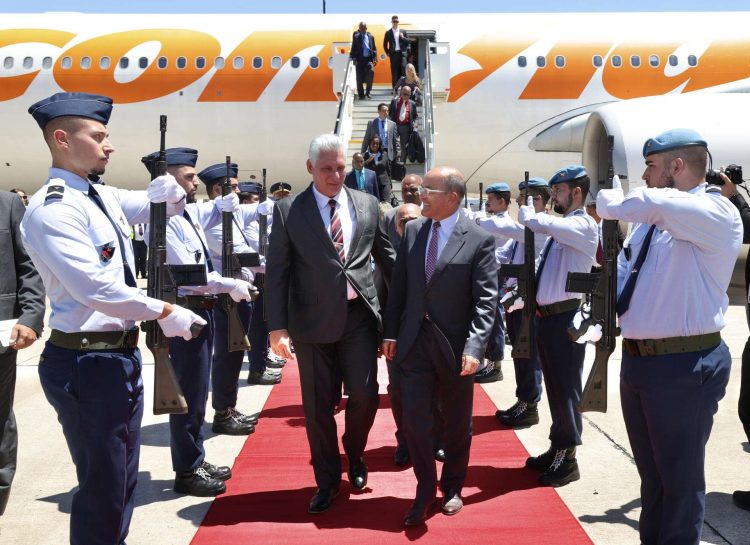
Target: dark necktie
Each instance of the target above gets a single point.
(600, 253)
(623, 302)
(543, 261)
(94, 196)
(209, 263)
(432, 252)
(140, 229)
(513, 250)
(337, 234)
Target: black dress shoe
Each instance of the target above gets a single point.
(265, 378)
(222, 473)
(501, 412)
(741, 499)
(198, 483)
(452, 503)
(562, 470)
(440, 455)
(357, 474)
(541, 462)
(525, 414)
(416, 515)
(401, 457)
(322, 500)
(232, 422)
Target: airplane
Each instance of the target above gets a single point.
(511, 92)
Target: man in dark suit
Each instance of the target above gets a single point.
(409, 195)
(364, 53)
(441, 307)
(403, 112)
(362, 178)
(383, 127)
(396, 46)
(21, 297)
(321, 296)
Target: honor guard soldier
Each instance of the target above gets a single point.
(570, 248)
(672, 284)
(280, 190)
(191, 359)
(249, 192)
(226, 366)
(90, 370)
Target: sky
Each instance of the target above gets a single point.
(349, 6)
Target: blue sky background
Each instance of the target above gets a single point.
(349, 6)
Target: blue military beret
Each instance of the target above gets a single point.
(217, 173)
(250, 187)
(533, 182)
(280, 186)
(175, 157)
(568, 174)
(95, 107)
(673, 139)
(497, 188)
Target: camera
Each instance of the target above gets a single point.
(733, 172)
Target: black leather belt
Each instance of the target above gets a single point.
(557, 308)
(199, 302)
(87, 341)
(670, 345)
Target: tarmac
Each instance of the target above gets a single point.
(605, 500)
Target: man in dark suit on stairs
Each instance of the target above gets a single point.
(362, 178)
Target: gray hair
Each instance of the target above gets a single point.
(454, 182)
(324, 142)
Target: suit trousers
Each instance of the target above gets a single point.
(562, 366)
(496, 344)
(192, 365)
(140, 254)
(425, 374)
(668, 403)
(743, 406)
(226, 365)
(98, 398)
(354, 358)
(365, 76)
(398, 65)
(8, 431)
(258, 337)
(404, 131)
(528, 371)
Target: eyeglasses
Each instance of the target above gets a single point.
(424, 191)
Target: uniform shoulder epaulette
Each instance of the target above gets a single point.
(54, 193)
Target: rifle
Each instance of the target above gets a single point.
(231, 268)
(163, 280)
(260, 278)
(481, 192)
(526, 275)
(601, 293)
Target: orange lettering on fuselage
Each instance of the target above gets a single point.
(153, 82)
(15, 86)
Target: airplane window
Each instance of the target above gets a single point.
(257, 63)
(654, 61)
(522, 61)
(597, 60)
(673, 60)
(635, 61)
(104, 63)
(692, 60)
(124, 62)
(616, 61)
(238, 63)
(161, 62)
(560, 61)
(28, 62)
(181, 62)
(8, 63)
(143, 62)
(330, 62)
(295, 62)
(541, 62)
(47, 63)
(219, 63)
(276, 63)
(85, 63)
(200, 62)
(314, 62)
(66, 63)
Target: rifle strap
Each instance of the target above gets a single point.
(209, 263)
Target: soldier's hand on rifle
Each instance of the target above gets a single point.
(266, 207)
(178, 321)
(227, 203)
(260, 269)
(166, 189)
(605, 197)
(242, 291)
(525, 213)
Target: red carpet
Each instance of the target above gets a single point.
(266, 500)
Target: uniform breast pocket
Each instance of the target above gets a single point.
(658, 253)
(195, 250)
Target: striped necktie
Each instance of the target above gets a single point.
(432, 252)
(337, 235)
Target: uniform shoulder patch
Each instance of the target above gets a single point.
(54, 193)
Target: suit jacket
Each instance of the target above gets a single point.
(412, 111)
(460, 298)
(392, 146)
(356, 50)
(371, 182)
(21, 287)
(389, 226)
(306, 281)
(389, 43)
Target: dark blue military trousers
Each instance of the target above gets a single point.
(98, 397)
(496, 344)
(528, 371)
(8, 431)
(258, 338)
(192, 365)
(562, 366)
(669, 403)
(226, 365)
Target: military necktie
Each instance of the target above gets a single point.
(623, 302)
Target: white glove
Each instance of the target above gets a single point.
(592, 334)
(265, 208)
(177, 323)
(260, 269)
(243, 291)
(517, 301)
(227, 203)
(525, 213)
(165, 189)
(616, 182)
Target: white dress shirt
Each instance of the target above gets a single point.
(446, 229)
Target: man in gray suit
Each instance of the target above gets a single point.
(21, 297)
(386, 129)
(441, 307)
(321, 296)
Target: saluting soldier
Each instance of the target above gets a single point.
(186, 244)
(226, 366)
(673, 277)
(90, 370)
(571, 247)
